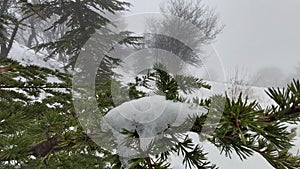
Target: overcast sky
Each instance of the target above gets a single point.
(258, 33)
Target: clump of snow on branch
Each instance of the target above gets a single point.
(149, 117)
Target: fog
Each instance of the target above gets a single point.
(258, 35)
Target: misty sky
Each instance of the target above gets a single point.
(258, 33)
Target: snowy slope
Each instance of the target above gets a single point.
(27, 56)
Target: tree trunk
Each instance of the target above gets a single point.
(4, 7)
(11, 40)
(33, 33)
(3, 49)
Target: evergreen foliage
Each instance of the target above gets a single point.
(83, 19)
(39, 128)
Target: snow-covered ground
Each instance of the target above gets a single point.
(25, 56)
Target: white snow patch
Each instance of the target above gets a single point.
(20, 78)
(53, 79)
(54, 105)
(149, 117)
(27, 56)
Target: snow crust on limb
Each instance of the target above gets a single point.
(150, 117)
